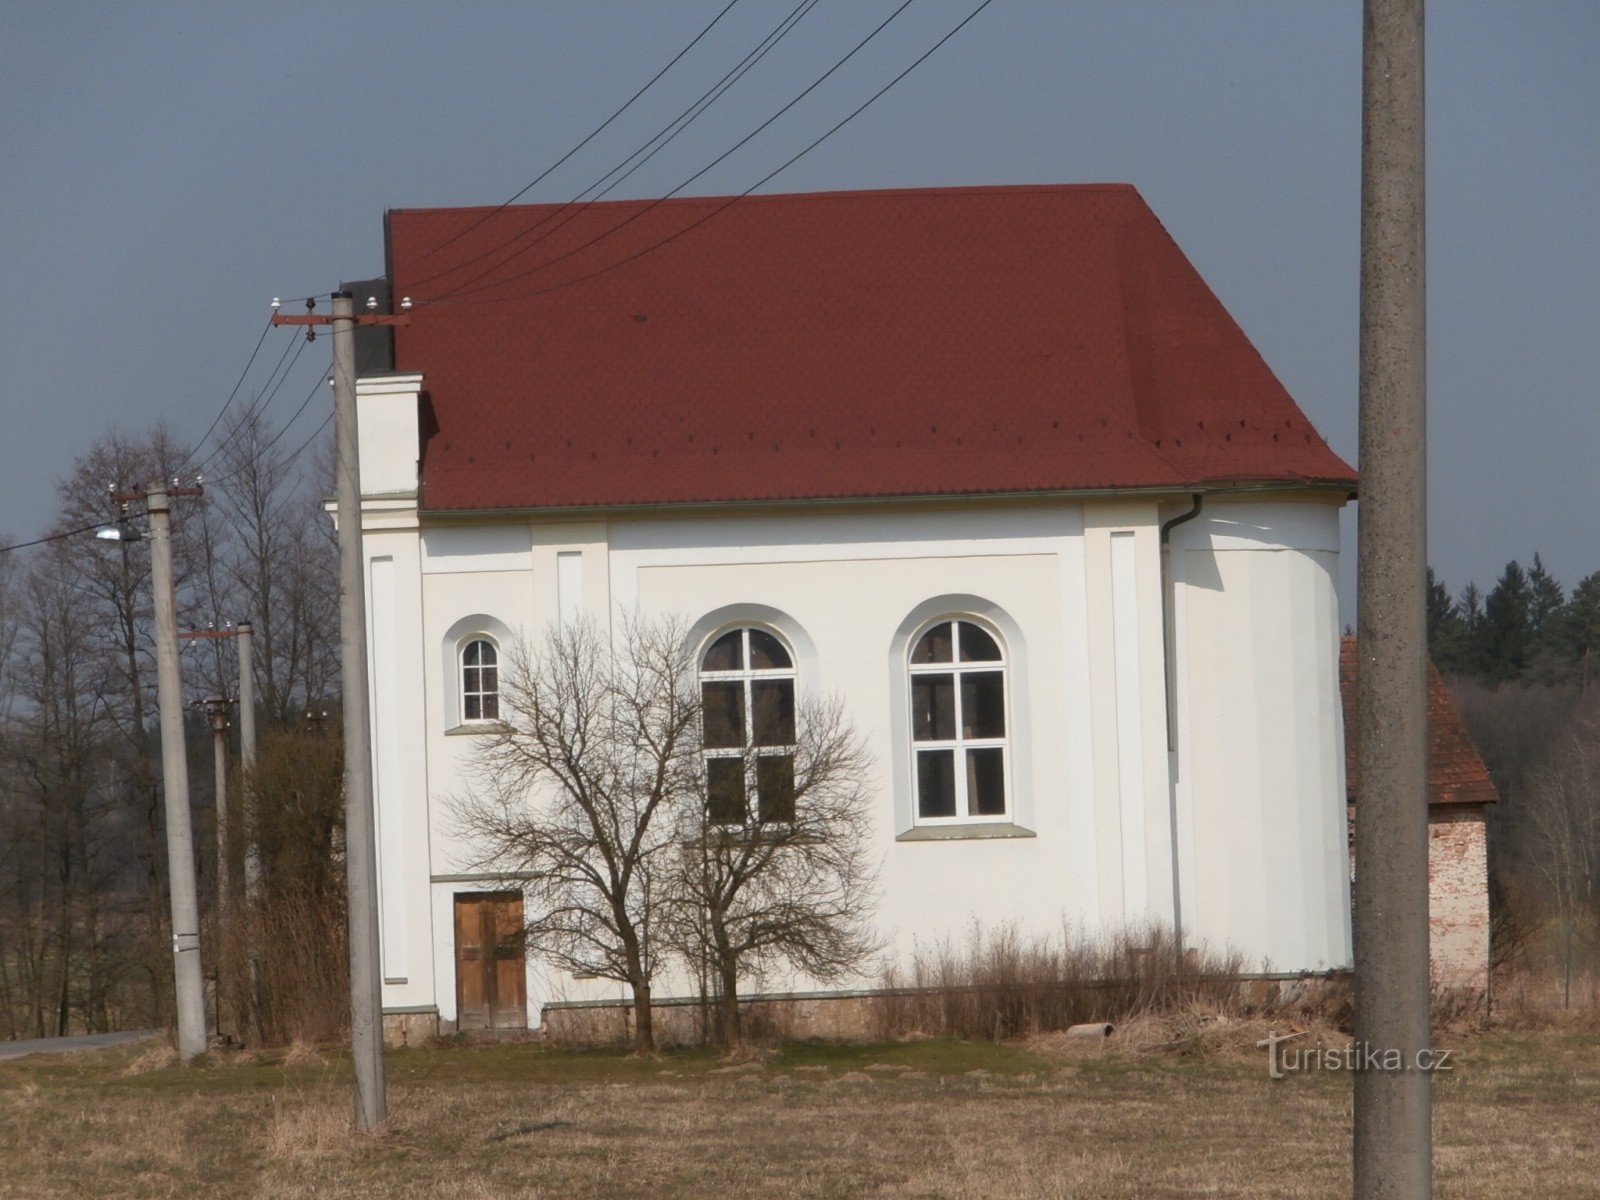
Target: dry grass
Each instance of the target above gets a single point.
(1000, 984)
(1147, 1114)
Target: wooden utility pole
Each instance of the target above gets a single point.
(187, 977)
(361, 855)
(1393, 1102)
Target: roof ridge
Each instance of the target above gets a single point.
(987, 189)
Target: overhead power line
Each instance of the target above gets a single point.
(237, 385)
(315, 433)
(262, 402)
(579, 145)
(723, 207)
(464, 288)
(647, 149)
(54, 537)
(589, 137)
(322, 381)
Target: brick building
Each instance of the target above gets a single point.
(1459, 793)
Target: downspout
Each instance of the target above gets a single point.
(1170, 675)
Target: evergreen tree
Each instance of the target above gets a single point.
(1579, 629)
(1473, 655)
(1548, 599)
(1508, 624)
(1446, 629)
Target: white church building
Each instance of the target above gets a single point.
(993, 465)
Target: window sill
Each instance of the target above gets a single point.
(474, 729)
(974, 831)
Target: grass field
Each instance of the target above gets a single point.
(1515, 1118)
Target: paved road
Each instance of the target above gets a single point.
(57, 1045)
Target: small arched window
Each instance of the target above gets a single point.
(480, 681)
(958, 723)
(747, 681)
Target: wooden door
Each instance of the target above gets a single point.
(490, 972)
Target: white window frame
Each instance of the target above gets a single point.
(462, 693)
(747, 676)
(959, 744)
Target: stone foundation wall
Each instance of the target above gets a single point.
(410, 1028)
(843, 1017)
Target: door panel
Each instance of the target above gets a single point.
(490, 974)
(472, 993)
(510, 1010)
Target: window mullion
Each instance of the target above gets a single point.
(959, 759)
(751, 786)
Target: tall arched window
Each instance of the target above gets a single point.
(747, 701)
(480, 681)
(958, 723)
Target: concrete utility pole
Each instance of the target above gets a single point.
(190, 988)
(361, 867)
(1393, 1107)
(219, 753)
(244, 638)
(366, 984)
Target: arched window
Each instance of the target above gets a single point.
(958, 723)
(747, 704)
(480, 681)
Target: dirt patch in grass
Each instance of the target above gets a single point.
(929, 1118)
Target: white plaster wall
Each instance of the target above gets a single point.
(850, 590)
(395, 654)
(386, 412)
(1260, 776)
(508, 572)
(1259, 791)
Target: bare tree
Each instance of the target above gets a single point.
(282, 565)
(65, 830)
(112, 584)
(1562, 803)
(775, 867)
(82, 892)
(579, 785)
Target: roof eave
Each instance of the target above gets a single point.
(1342, 490)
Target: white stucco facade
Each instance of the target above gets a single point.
(1174, 741)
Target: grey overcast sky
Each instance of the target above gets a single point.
(168, 168)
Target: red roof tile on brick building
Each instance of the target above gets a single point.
(833, 345)
(1456, 774)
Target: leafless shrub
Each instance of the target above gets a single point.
(1001, 984)
(284, 968)
(281, 959)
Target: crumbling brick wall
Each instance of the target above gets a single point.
(1458, 897)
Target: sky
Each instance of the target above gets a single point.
(170, 168)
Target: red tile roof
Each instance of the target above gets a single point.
(1456, 774)
(846, 344)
